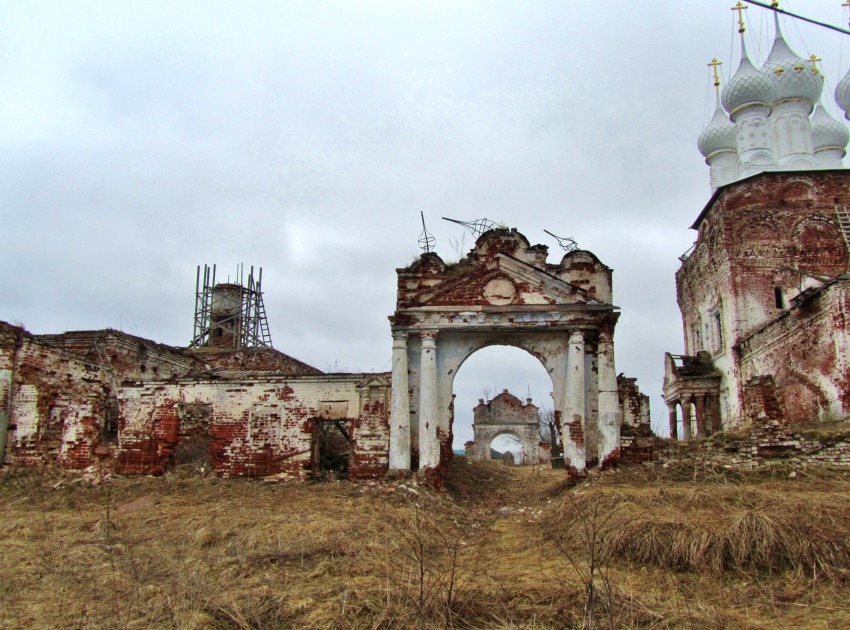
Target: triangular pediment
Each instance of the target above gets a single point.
(502, 281)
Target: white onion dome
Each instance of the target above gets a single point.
(749, 86)
(828, 132)
(718, 135)
(842, 94)
(792, 76)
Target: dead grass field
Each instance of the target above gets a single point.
(506, 548)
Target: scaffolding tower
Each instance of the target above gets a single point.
(232, 314)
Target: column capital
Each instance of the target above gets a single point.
(606, 336)
(428, 335)
(400, 336)
(576, 336)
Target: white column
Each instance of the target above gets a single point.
(609, 417)
(429, 448)
(400, 413)
(686, 418)
(572, 424)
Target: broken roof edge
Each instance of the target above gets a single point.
(726, 187)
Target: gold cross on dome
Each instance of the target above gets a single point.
(815, 60)
(740, 8)
(714, 64)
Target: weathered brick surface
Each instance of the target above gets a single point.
(773, 320)
(246, 413)
(506, 414)
(128, 356)
(768, 443)
(56, 402)
(258, 427)
(251, 360)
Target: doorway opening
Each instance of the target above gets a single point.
(331, 449)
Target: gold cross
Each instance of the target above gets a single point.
(714, 65)
(740, 8)
(815, 60)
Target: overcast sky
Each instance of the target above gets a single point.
(140, 139)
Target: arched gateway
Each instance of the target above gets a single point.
(504, 293)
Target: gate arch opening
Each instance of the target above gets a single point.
(508, 443)
(497, 390)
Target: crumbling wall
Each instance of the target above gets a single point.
(634, 406)
(55, 403)
(506, 414)
(769, 443)
(761, 242)
(252, 360)
(128, 356)
(805, 351)
(370, 430)
(257, 427)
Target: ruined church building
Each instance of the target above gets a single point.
(764, 290)
(763, 295)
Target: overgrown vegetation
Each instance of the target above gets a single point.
(504, 548)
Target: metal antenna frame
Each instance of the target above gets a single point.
(426, 239)
(253, 331)
(567, 244)
(476, 227)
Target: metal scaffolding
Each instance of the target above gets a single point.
(247, 323)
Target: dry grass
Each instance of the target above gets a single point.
(506, 548)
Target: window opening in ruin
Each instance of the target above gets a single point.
(485, 375)
(331, 448)
(143, 368)
(716, 330)
(109, 430)
(778, 297)
(195, 441)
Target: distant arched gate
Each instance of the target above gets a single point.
(504, 293)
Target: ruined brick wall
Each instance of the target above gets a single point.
(129, 357)
(252, 360)
(370, 432)
(507, 414)
(634, 406)
(768, 443)
(505, 409)
(805, 354)
(466, 282)
(739, 277)
(56, 403)
(257, 427)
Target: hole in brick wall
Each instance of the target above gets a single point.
(143, 368)
(331, 448)
(109, 430)
(778, 297)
